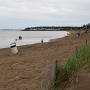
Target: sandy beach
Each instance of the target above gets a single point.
(24, 70)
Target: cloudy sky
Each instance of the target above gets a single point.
(19, 14)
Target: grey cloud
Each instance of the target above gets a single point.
(49, 11)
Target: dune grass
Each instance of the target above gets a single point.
(64, 72)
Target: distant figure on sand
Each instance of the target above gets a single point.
(42, 41)
(20, 37)
(78, 34)
(15, 40)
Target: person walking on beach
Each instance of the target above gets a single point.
(42, 41)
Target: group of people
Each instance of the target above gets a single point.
(20, 38)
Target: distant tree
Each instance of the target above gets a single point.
(27, 29)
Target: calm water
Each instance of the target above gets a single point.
(28, 37)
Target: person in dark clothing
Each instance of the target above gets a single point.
(42, 41)
(20, 37)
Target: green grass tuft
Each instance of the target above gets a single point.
(65, 72)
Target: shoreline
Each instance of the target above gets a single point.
(29, 38)
(38, 42)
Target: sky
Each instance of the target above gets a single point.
(20, 14)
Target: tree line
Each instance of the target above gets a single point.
(57, 28)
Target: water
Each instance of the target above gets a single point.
(28, 37)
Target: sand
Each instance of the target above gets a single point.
(24, 70)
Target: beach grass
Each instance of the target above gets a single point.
(64, 73)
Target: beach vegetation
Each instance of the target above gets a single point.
(64, 73)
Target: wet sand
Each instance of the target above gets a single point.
(23, 71)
